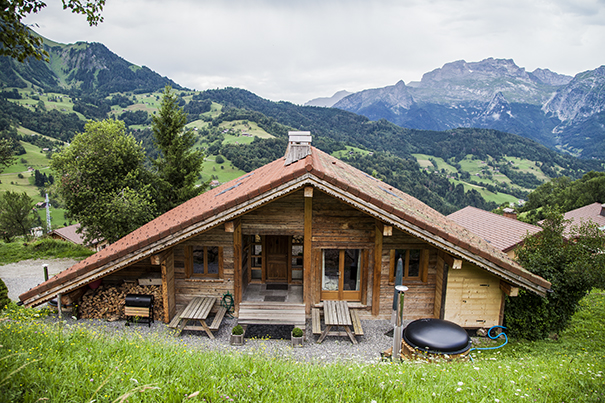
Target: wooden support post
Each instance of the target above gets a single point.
(237, 263)
(168, 287)
(308, 281)
(508, 289)
(45, 268)
(229, 226)
(59, 305)
(377, 268)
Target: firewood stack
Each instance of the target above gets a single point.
(107, 302)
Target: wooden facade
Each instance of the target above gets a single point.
(258, 248)
(318, 225)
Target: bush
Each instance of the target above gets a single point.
(571, 259)
(297, 332)
(237, 330)
(4, 300)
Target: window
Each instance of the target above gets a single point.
(415, 264)
(341, 274)
(204, 261)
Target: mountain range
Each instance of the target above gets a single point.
(559, 111)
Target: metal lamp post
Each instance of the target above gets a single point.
(398, 331)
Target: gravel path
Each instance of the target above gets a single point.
(271, 340)
(26, 274)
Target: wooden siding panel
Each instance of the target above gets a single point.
(473, 297)
(284, 216)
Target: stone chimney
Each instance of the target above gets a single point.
(299, 146)
(602, 210)
(510, 213)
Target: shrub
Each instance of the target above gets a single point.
(571, 259)
(297, 332)
(237, 330)
(4, 300)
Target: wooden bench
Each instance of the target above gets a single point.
(218, 318)
(316, 320)
(357, 329)
(198, 310)
(336, 313)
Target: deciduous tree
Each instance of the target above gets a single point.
(178, 165)
(19, 42)
(103, 182)
(16, 214)
(572, 259)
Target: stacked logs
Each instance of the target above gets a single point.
(107, 302)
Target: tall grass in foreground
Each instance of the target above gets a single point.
(56, 363)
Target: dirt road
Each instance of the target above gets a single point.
(20, 277)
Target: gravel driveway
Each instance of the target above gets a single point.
(270, 340)
(22, 276)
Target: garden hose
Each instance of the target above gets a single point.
(227, 302)
(489, 334)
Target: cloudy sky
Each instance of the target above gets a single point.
(300, 50)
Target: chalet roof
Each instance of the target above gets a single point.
(501, 232)
(594, 212)
(318, 169)
(69, 234)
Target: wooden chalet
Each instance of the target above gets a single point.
(319, 228)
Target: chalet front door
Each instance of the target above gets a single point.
(277, 257)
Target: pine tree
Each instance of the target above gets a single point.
(178, 165)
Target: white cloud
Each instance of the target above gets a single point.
(301, 50)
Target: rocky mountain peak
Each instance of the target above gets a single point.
(485, 69)
(548, 77)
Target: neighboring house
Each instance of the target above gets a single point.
(501, 231)
(69, 234)
(319, 226)
(594, 212)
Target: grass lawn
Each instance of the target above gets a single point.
(349, 151)
(424, 162)
(43, 248)
(211, 167)
(498, 198)
(42, 361)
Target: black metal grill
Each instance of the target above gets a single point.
(139, 308)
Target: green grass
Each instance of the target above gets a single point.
(42, 361)
(43, 248)
(348, 151)
(211, 167)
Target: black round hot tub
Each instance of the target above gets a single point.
(437, 336)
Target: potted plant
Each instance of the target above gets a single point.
(297, 337)
(237, 336)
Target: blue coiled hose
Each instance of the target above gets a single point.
(489, 334)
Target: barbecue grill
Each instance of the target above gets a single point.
(137, 307)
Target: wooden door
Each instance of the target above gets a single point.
(277, 257)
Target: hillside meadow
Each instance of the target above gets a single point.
(44, 360)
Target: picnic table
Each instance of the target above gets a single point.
(198, 310)
(337, 313)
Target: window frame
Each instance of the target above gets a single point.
(422, 270)
(340, 293)
(189, 263)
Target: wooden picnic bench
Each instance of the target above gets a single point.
(198, 310)
(337, 313)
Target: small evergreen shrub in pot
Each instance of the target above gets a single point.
(297, 337)
(237, 336)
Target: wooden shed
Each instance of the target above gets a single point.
(310, 224)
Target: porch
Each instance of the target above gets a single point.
(272, 304)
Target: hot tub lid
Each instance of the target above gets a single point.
(437, 336)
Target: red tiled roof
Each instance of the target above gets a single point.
(69, 233)
(322, 169)
(501, 232)
(592, 212)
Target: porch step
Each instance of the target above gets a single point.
(262, 313)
